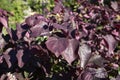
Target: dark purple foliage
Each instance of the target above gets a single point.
(82, 42)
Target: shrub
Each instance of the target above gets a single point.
(65, 44)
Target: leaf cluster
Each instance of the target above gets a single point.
(65, 44)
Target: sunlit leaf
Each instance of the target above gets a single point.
(70, 53)
(4, 22)
(84, 54)
(57, 46)
(7, 57)
(101, 73)
(19, 57)
(111, 42)
(114, 5)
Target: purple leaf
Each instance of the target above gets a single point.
(70, 52)
(65, 26)
(1, 58)
(66, 15)
(97, 60)
(84, 54)
(4, 18)
(19, 31)
(40, 29)
(5, 13)
(7, 57)
(116, 34)
(114, 5)
(85, 75)
(4, 22)
(19, 57)
(57, 45)
(58, 7)
(57, 26)
(34, 19)
(101, 73)
(111, 43)
(118, 77)
(93, 74)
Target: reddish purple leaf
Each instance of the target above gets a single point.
(57, 46)
(70, 53)
(114, 5)
(65, 26)
(58, 7)
(101, 73)
(85, 75)
(93, 74)
(7, 57)
(116, 34)
(19, 31)
(40, 29)
(97, 60)
(111, 43)
(19, 57)
(4, 22)
(57, 26)
(84, 54)
(4, 18)
(34, 19)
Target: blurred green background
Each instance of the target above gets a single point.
(24, 8)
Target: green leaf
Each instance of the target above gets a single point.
(26, 74)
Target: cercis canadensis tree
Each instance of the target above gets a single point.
(85, 40)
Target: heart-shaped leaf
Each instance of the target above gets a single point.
(111, 43)
(84, 54)
(57, 46)
(70, 53)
